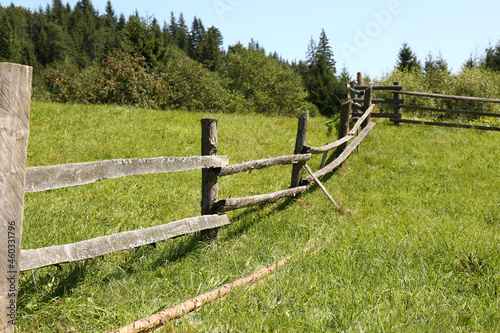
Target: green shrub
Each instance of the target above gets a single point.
(195, 87)
(267, 87)
(473, 82)
(123, 78)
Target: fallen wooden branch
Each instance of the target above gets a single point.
(52, 255)
(342, 157)
(321, 185)
(226, 205)
(57, 176)
(164, 316)
(263, 163)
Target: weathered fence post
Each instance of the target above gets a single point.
(398, 111)
(299, 145)
(361, 81)
(15, 99)
(209, 176)
(366, 104)
(345, 119)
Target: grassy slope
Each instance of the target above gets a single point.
(416, 248)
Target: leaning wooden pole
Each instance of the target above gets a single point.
(15, 99)
(209, 176)
(147, 324)
(299, 146)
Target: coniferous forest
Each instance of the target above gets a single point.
(80, 55)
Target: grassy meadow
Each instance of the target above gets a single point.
(415, 249)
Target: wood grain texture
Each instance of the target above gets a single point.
(57, 176)
(15, 100)
(36, 258)
(263, 163)
(342, 157)
(226, 205)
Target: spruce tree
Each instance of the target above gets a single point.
(325, 91)
(407, 60)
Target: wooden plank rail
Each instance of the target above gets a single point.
(426, 108)
(226, 205)
(393, 87)
(36, 258)
(390, 101)
(342, 157)
(57, 176)
(263, 163)
(422, 122)
(459, 98)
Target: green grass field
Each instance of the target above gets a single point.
(416, 248)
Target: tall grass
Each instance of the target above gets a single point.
(416, 248)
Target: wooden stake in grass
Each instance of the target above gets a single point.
(321, 185)
(192, 304)
(15, 99)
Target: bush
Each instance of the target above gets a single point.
(195, 87)
(122, 78)
(265, 85)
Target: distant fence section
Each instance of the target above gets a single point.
(16, 180)
(357, 90)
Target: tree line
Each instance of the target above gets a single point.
(81, 55)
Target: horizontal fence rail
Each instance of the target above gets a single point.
(426, 108)
(58, 176)
(358, 89)
(458, 98)
(226, 205)
(422, 122)
(36, 258)
(263, 163)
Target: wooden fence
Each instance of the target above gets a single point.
(357, 90)
(16, 180)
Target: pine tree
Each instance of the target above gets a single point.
(6, 32)
(407, 60)
(182, 34)
(211, 55)
(110, 18)
(325, 91)
(492, 58)
(196, 39)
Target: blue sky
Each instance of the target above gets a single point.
(365, 35)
